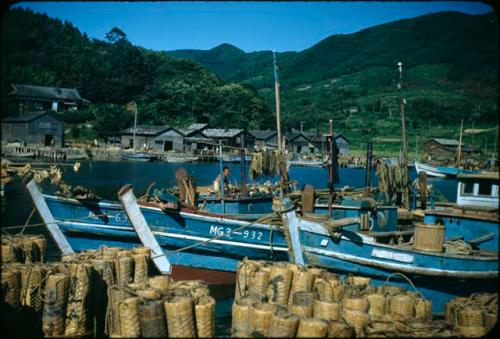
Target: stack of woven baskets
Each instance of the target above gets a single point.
(111, 292)
(285, 300)
(474, 316)
(23, 248)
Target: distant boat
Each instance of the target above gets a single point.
(306, 163)
(234, 158)
(441, 171)
(26, 154)
(138, 156)
(180, 158)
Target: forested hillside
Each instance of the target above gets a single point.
(39, 50)
(450, 72)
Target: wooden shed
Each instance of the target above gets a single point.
(299, 143)
(33, 98)
(321, 142)
(447, 148)
(262, 140)
(159, 138)
(33, 129)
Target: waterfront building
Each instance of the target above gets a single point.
(159, 138)
(33, 129)
(32, 98)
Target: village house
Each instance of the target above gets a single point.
(448, 148)
(262, 140)
(321, 142)
(33, 129)
(158, 138)
(32, 98)
(194, 139)
(230, 136)
(299, 143)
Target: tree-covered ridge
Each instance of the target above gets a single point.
(450, 72)
(44, 51)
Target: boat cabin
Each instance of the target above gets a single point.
(478, 190)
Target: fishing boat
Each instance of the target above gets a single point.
(474, 216)
(389, 256)
(219, 240)
(305, 163)
(441, 171)
(137, 156)
(234, 158)
(179, 158)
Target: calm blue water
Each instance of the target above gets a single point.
(106, 178)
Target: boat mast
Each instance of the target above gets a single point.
(135, 122)
(330, 141)
(282, 166)
(406, 197)
(460, 144)
(277, 97)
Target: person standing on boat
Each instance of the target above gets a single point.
(225, 173)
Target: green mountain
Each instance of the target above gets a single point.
(450, 72)
(39, 50)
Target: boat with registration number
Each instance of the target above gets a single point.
(390, 256)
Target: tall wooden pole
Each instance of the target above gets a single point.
(277, 96)
(135, 122)
(406, 195)
(243, 166)
(330, 168)
(460, 143)
(282, 167)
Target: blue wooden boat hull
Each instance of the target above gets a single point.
(90, 225)
(438, 276)
(465, 226)
(242, 206)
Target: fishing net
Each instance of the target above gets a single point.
(128, 311)
(260, 317)
(152, 318)
(205, 317)
(280, 279)
(54, 310)
(283, 324)
(312, 328)
(327, 310)
(180, 320)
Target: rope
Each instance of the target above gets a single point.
(211, 239)
(405, 277)
(457, 247)
(54, 222)
(28, 220)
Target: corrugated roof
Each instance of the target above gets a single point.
(446, 142)
(221, 133)
(263, 135)
(47, 92)
(26, 117)
(146, 130)
(192, 129)
(322, 137)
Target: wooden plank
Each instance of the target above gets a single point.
(291, 223)
(46, 215)
(141, 227)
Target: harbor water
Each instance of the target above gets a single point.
(105, 178)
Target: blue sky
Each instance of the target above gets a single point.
(251, 26)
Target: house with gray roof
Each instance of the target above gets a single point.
(262, 139)
(447, 148)
(33, 129)
(159, 138)
(320, 141)
(299, 143)
(228, 136)
(36, 98)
